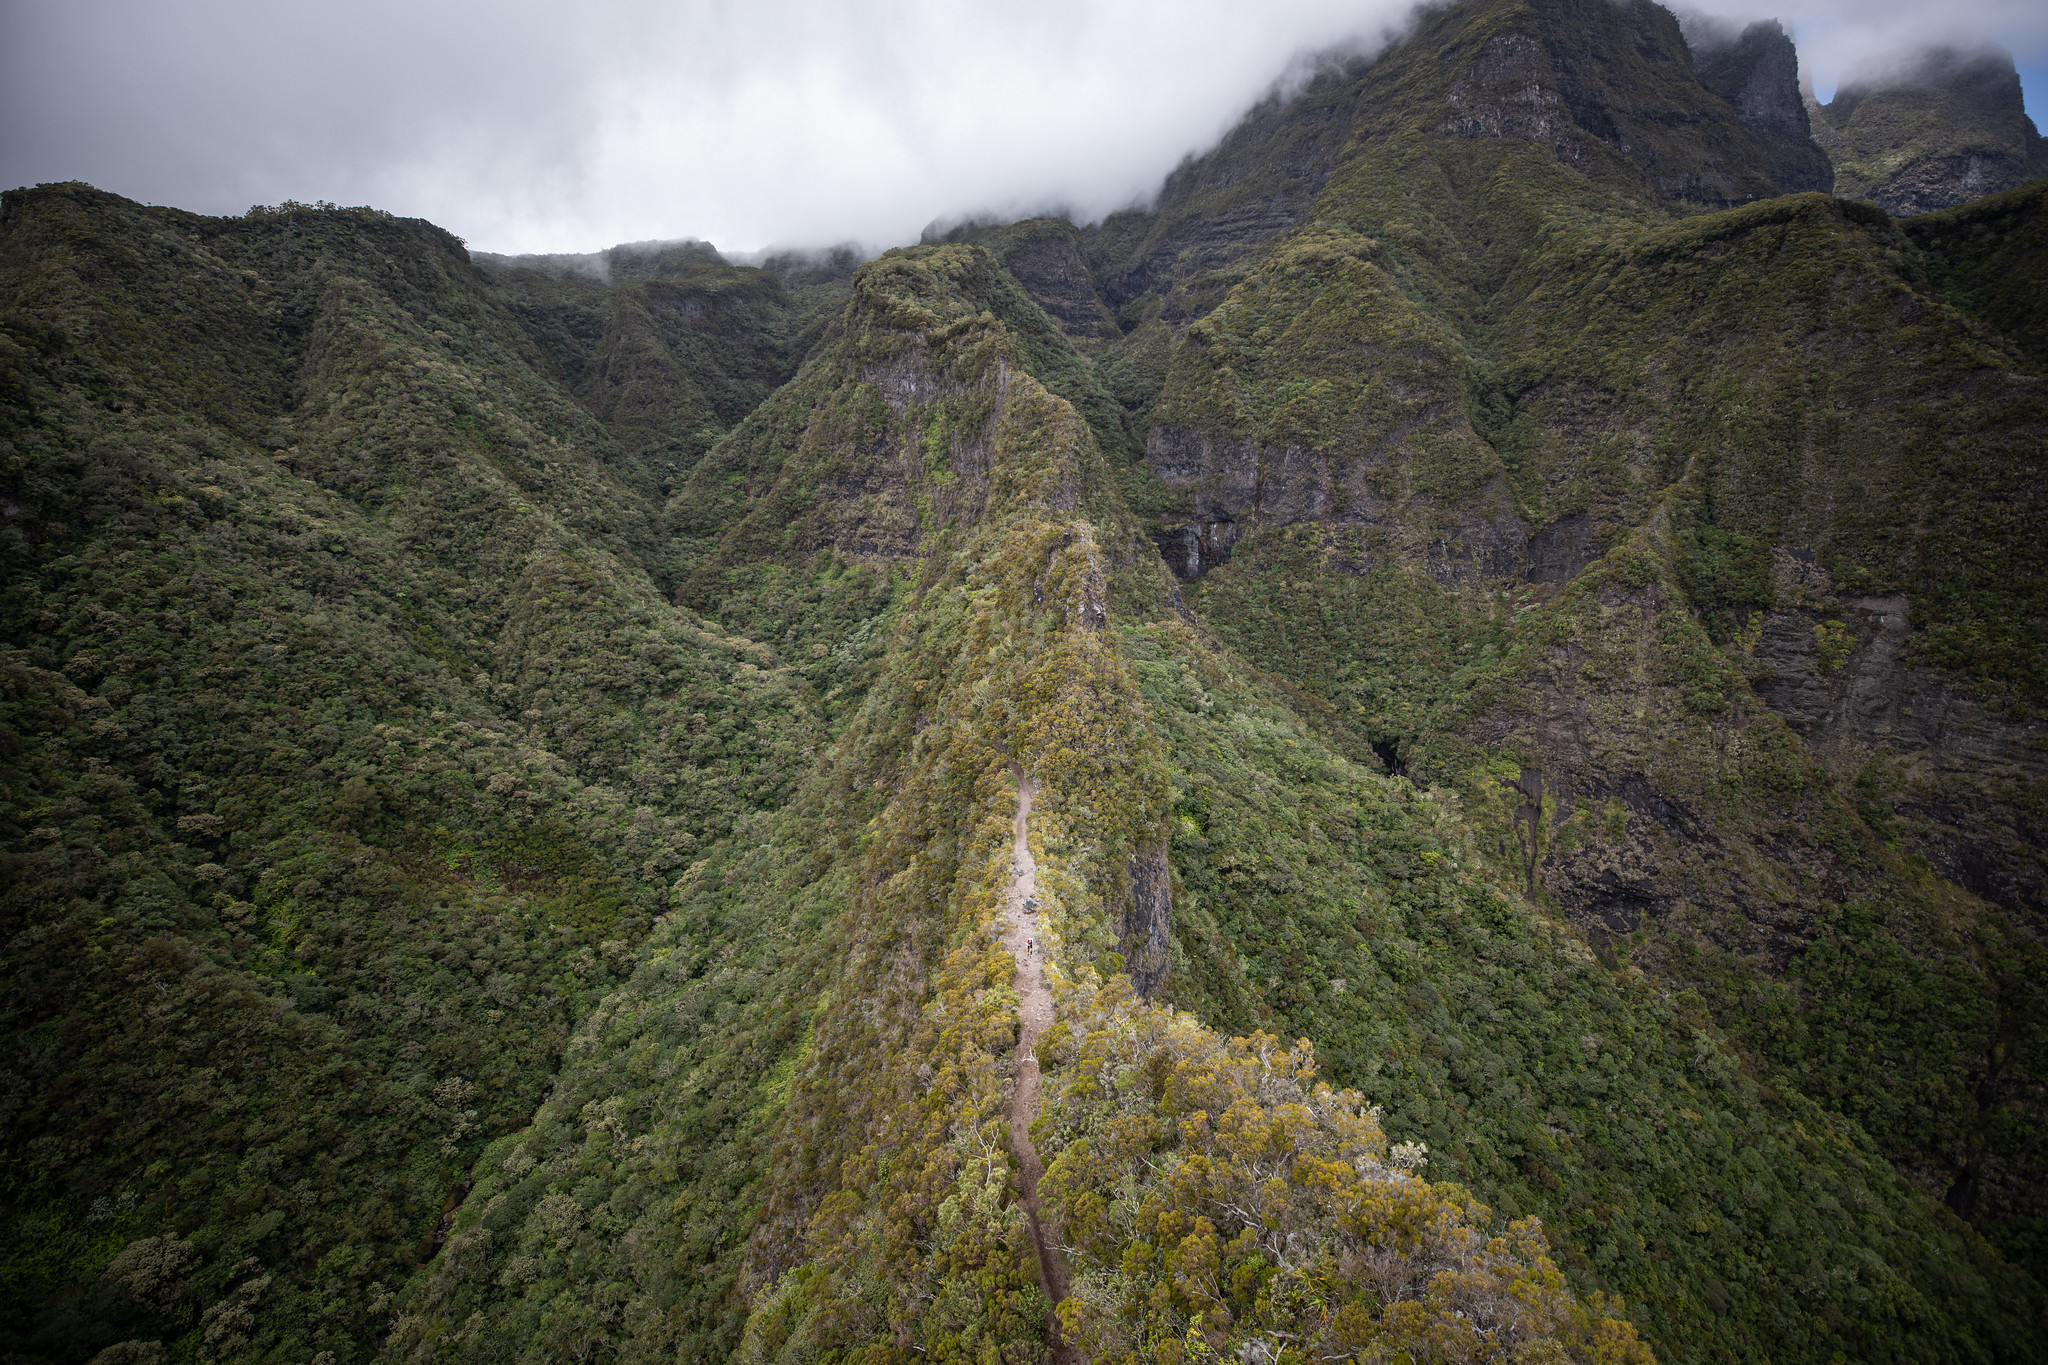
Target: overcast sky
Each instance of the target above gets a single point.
(549, 127)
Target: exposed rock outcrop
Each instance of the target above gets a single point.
(1045, 256)
(1238, 486)
(1942, 130)
(1609, 88)
(1757, 72)
(1930, 762)
(1146, 931)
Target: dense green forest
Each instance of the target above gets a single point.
(1522, 612)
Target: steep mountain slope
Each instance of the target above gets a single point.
(1990, 259)
(1616, 83)
(349, 750)
(513, 772)
(382, 819)
(1947, 128)
(667, 344)
(878, 1057)
(1309, 892)
(1780, 420)
(1171, 263)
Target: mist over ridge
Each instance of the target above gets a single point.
(1431, 745)
(783, 124)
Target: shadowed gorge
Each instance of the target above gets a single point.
(1429, 748)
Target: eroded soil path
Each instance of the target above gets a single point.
(1021, 937)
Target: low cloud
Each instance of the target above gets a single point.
(529, 127)
(1847, 40)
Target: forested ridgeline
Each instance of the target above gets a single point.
(1525, 638)
(879, 1066)
(1312, 894)
(350, 748)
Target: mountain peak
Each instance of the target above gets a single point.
(1756, 70)
(1936, 130)
(1609, 87)
(1431, 748)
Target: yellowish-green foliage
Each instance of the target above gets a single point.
(897, 1155)
(891, 1230)
(1220, 1202)
(829, 989)
(1304, 892)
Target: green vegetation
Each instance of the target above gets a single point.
(1947, 129)
(884, 1220)
(1317, 899)
(347, 758)
(1295, 870)
(1219, 1204)
(1987, 258)
(669, 347)
(507, 767)
(1762, 389)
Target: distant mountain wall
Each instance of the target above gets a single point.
(1941, 130)
(1757, 72)
(507, 765)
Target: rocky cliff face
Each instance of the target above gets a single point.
(1415, 433)
(1942, 130)
(1047, 257)
(1145, 931)
(520, 759)
(1401, 462)
(1757, 71)
(1606, 86)
(1929, 763)
(1175, 259)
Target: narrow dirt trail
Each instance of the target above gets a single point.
(1021, 939)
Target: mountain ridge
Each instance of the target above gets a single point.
(1475, 596)
(1942, 130)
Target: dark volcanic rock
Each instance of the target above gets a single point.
(1044, 255)
(1235, 484)
(1146, 930)
(1217, 209)
(1957, 780)
(1601, 84)
(1757, 72)
(1558, 551)
(1049, 265)
(1947, 129)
